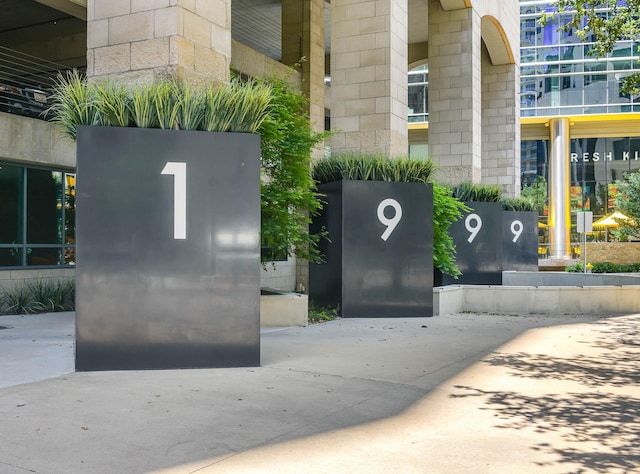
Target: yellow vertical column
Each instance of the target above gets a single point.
(559, 202)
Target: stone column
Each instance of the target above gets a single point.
(455, 106)
(501, 125)
(138, 40)
(369, 76)
(303, 38)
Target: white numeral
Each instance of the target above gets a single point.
(392, 222)
(179, 172)
(516, 229)
(473, 230)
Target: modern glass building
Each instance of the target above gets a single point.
(597, 130)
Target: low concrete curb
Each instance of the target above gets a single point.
(587, 300)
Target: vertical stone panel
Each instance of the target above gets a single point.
(369, 76)
(501, 126)
(455, 103)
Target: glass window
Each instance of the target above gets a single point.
(11, 185)
(37, 217)
(44, 206)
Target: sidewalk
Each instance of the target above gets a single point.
(451, 394)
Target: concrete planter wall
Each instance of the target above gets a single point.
(168, 262)
(379, 262)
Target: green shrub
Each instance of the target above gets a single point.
(169, 104)
(288, 196)
(372, 167)
(517, 204)
(321, 314)
(16, 301)
(606, 267)
(38, 296)
(478, 192)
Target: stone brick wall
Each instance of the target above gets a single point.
(15, 278)
(369, 76)
(140, 39)
(500, 126)
(614, 252)
(455, 115)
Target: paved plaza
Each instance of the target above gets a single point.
(463, 393)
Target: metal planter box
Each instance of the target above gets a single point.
(379, 262)
(488, 240)
(168, 256)
(520, 241)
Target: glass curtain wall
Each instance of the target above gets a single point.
(560, 77)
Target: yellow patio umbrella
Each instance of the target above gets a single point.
(610, 221)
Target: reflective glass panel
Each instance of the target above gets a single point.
(44, 206)
(11, 183)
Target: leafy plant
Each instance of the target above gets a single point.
(112, 104)
(606, 267)
(321, 314)
(537, 193)
(52, 296)
(143, 111)
(288, 193)
(16, 301)
(38, 297)
(603, 23)
(446, 211)
(478, 192)
(190, 106)
(168, 104)
(627, 201)
(371, 167)
(72, 104)
(518, 204)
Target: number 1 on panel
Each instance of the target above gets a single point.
(179, 172)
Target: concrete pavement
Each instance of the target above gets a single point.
(458, 393)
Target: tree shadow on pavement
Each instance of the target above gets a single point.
(607, 422)
(619, 370)
(598, 423)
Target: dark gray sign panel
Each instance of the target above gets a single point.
(380, 259)
(168, 255)
(520, 240)
(478, 240)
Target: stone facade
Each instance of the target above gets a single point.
(613, 252)
(369, 76)
(474, 106)
(138, 40)
(455, 115)
(500, 130)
